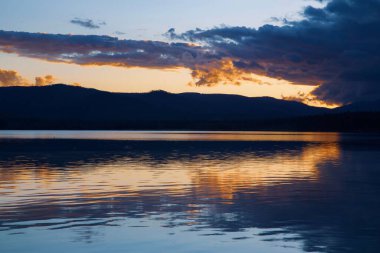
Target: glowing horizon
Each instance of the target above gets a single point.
(146, 80)
(139, 78)
(291, 55)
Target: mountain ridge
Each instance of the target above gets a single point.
(63, 106)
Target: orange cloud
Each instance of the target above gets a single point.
(221, 72)
(46, 80)
(13, 78)
(217, 72)
(310, 99)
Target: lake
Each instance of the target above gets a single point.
(141, 191)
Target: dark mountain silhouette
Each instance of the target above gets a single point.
(363, 106)
(68, 107)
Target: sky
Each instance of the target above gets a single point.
(310, 51)
(140, 19)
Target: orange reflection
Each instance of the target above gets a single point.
(175, 135)
(200, 175)
(224, 179)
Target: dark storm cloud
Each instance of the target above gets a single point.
(87, 23)
(102, 50)
(335, 48)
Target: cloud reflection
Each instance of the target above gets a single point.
(296, 191)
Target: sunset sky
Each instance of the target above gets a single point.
(279, 48)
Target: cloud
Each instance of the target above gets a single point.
(334, 48)
(208, 66)
(221, 72)
(76, 84)
(106, 50)
(13, 78)
(45, 80)
(100, 50)
(87, 23)
(119, 33)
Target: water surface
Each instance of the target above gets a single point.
(94, 191)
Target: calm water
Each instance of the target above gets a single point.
(92, 191)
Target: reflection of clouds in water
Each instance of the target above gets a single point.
(172, 135)
(295, 191)
(254, 171)
(206, 172)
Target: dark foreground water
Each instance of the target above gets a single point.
(188, 192)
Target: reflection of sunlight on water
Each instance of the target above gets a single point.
(235, 192)
(215, 175)
(225, 178)
(173, 135)
(281, 195)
